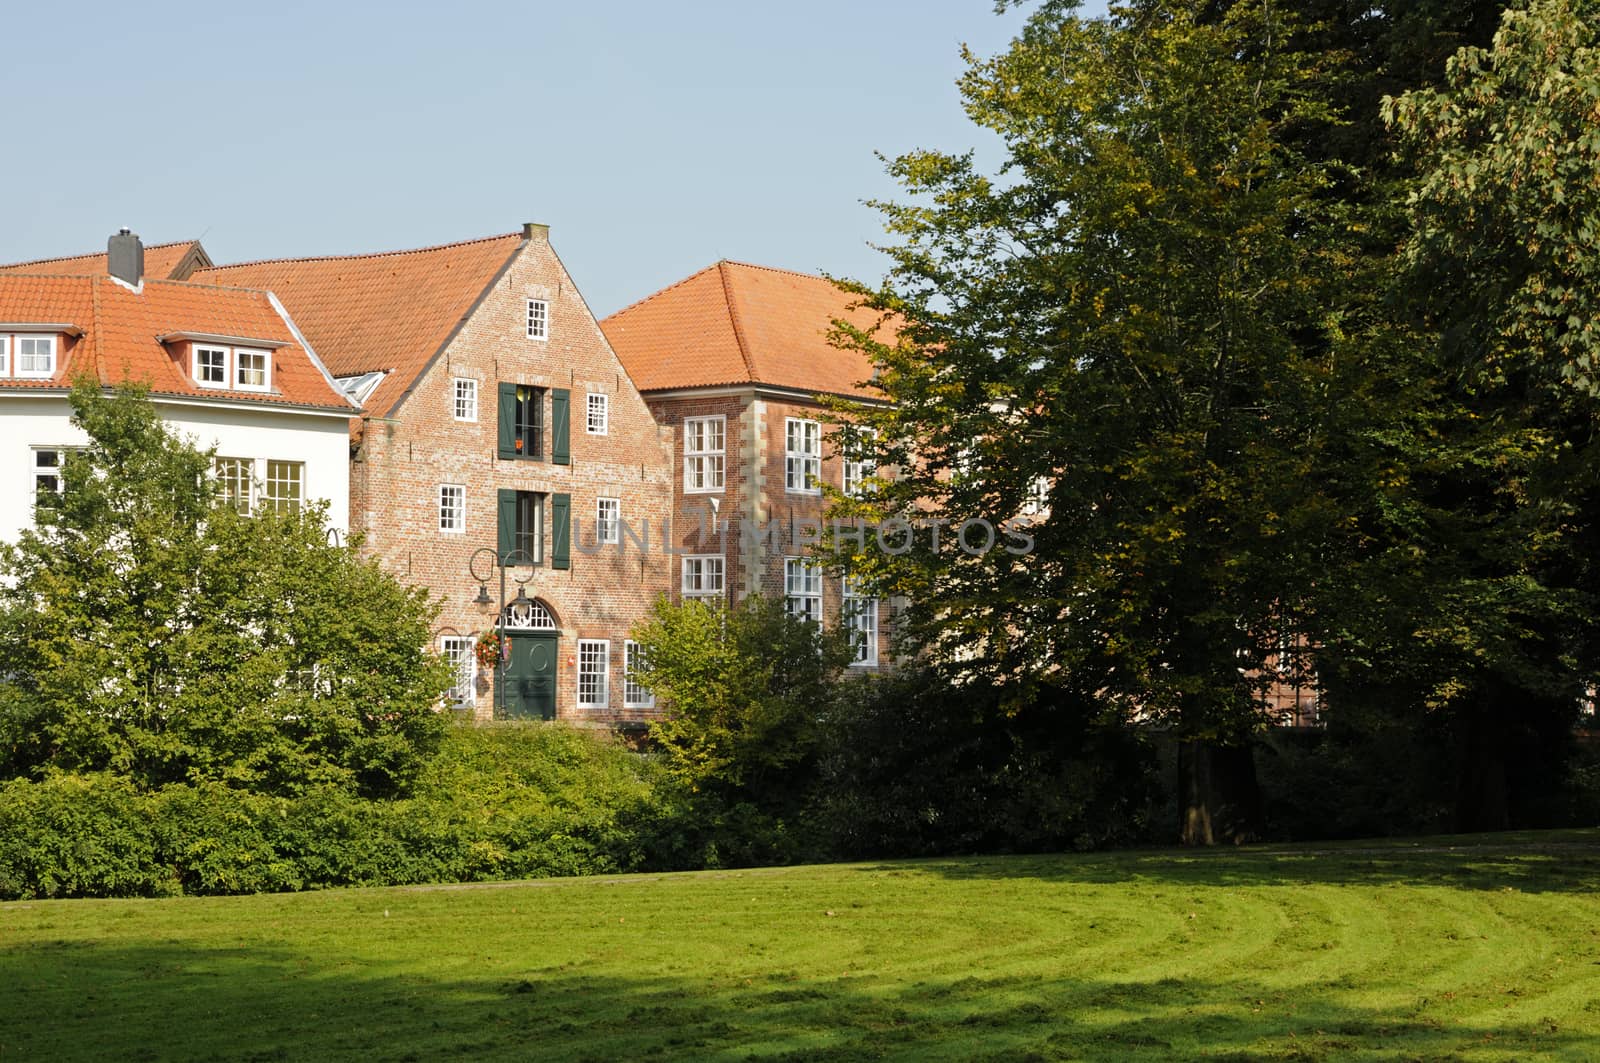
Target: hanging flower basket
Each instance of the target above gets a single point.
(489, 649)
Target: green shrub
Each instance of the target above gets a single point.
(497, 802)
(915, 766)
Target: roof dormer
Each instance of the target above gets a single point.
(33, 350)
(227, 363)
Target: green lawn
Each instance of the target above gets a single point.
(1447, 949)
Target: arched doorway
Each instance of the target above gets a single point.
(528, 678)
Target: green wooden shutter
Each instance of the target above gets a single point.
(561, 426)
(506, 523)
(507, 412)
(560, 531)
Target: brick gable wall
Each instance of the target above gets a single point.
(401, 462)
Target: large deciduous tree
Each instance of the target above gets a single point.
(1141, 318)
(150, 629)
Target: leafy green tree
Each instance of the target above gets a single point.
(151, 630)
(1143, 319)
(1467, 597)
(1505, 239)
(745, 690)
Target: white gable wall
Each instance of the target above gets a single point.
(320, 440)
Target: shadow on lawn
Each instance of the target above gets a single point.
(1568, 866)
(170, 1002)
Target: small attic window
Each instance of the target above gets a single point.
(27, 356)
(252, 370)
(538, 319)
(360, 388)
(211, 366)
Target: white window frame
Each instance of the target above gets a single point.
(634, 695)
(5, 355)
(266, 496)
(599, 693)
(452, 512)
(860, 607)
(239, 355)
(16, 355)
(227, 365)
(464, 399)
(37, 471)
(607, 526)
(699, 459)
(461, 652)
(701, 566)
(857, 468)
(597, 414)
(802, 589)
(802, 465)
(250, 493)
(539, 319)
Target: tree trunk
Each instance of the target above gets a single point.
(1220, 798)
(1482, 802)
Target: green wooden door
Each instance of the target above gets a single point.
(529, 690)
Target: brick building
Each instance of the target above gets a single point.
(498, 426)
(731, 362)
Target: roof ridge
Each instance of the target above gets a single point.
(778, 269)
(733, 317)
(365, 254)
(88, 254)
(662, 291)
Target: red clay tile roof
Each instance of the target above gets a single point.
(734, 323)
(119, 327)
(161, 261)
(391, 311)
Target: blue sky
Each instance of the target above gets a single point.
(653, 138)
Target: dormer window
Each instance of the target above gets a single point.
(252, 370)
(237, 368)
(211, 366)
(27, 356)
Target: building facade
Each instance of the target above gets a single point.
(733, 362)
(226, 368)
(501, 443)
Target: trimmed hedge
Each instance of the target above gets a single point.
(498, 802)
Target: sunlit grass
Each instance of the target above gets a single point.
(1422, 951)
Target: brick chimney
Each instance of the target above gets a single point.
(125, 257)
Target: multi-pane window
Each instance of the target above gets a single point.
(527, 532)
(251, 370)
(1037, 501)
(635, 695)
(802, 455)
(538, 319)
(236, 476)
(528, 438)
(702, 577)
(34, 355)
(211, 366)
(802, 588)
(283, 489)
(465, 399)
(861, 619)
(703, 454)
(608, 520)
(47, 471)
(452, 508)
(464, 669)
(858, 465)
(594, 673)
(598, 421)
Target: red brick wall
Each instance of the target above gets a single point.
(755, 493)
(402, 462)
